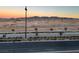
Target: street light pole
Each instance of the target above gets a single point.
(25, 22)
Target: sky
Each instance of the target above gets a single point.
(18, 11)
(60, 11)
(12, 11)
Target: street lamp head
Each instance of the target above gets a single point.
(25, 8)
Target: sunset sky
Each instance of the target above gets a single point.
(11, 11)
(61, 11)
(18, 11)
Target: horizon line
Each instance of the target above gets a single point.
(38, 16)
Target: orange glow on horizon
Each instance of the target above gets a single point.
(11, 14)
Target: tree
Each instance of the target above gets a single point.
(36, 30)
(13, 30)
(65, 28)
(51, 29)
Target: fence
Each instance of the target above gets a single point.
(36, 36)
(58, 37)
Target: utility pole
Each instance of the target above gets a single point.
(25, 22)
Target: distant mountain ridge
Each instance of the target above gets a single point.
(38, 18)
(51, 18)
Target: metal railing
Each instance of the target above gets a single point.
(60, 37)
